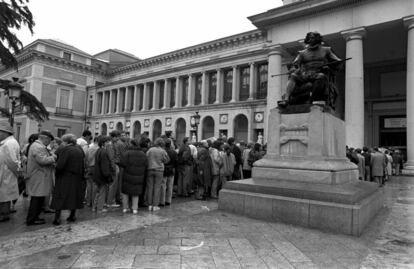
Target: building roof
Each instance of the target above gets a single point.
(61, 44)
(120, 52)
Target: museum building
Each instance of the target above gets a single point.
(231, 81)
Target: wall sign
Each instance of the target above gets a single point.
(395, 122)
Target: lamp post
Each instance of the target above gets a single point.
(195, 121)
(14, 92)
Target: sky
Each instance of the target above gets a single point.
(144, 28)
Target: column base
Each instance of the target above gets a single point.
(216, 102)
(408, 170)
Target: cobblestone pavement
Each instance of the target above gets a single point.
(194, 234)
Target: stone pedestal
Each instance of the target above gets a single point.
(305, 178)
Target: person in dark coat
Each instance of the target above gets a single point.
(169, 172)
(238, 155)
(68, 193)
(134, 163)
(103, 174)
(204, 171)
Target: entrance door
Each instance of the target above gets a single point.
(156, 129)
(240, 128)
(180, 130)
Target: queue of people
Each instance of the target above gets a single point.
(114, 171)
(376, 164)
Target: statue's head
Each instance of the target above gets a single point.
(313, 38)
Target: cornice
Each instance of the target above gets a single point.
(227, 43)
(31, 55)
(181, 68)
(299, 9)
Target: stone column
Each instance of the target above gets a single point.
(178, 91)
(274, 85)
(118, 101)
(127, 99)
(235, 85)
(190, 92)
(145, 97)
(134, 101)
(219, 89)
(167, 94)
(354, 88)
(110, 101)
(204, 94)
(103, 103)
(252, 85)
(156, 96)
(409, 166)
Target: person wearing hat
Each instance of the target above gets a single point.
(40, 170)
(9, 169)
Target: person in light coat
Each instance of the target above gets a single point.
(40, 170)
(9, 168)
(377, 166)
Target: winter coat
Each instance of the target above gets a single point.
(229, 161)
(216, 161)
(184, 156)
(204, 166)
(40, 170)
(9, 165)
(254, 156)
(103, 168)
(361, 166)
(135, 163)
(169, 168)
(377, 164)
(68, 192)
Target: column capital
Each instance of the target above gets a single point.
(408, 22)
(276, 49)
(252, 63)
(356, 33)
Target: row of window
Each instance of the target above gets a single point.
(127, 95)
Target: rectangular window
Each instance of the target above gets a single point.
(90, 107)
(107, 96)
(212, 90)
(184, 97)
(198, 84)
(122, 96)
(99, 103)
(161, 97)
(228, 84)
(141, 97)
(61, 132)
(67, 56)
(261, 82)
(64, 98)
(114, 101)
(150, 95)
(132, 98)
(244, 83)
(173, 91)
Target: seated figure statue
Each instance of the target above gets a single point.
(312, 74)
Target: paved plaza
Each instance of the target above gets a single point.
(195, 234)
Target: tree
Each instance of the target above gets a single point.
(13, 14)
(27, 104)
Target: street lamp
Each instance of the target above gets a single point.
(195, 121)
(14, 92)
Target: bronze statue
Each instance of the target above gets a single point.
(312, 75)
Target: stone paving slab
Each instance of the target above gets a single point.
(187, 235)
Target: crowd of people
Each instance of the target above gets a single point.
(376, 164)
(114, 171)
